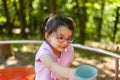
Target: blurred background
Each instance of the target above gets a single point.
(97, 24)
(95, 20)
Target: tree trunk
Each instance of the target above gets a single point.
(8, 24)
(82, 15)
(31, 27)
(16, 9)
(5, 50)
(52, 6)
(1, 28)
(100, 21)
(22, 18)
(115, 25)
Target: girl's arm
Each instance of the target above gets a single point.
(56, 68)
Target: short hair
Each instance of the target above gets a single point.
(54, 22)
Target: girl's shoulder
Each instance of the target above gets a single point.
(45, 46)
(43, 50)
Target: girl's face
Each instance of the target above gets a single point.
(60, 39)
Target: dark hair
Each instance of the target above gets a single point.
(51, 24)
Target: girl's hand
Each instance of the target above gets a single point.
(72, 76)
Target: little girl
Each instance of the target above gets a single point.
(55, 54)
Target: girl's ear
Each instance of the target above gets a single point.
(46, 35)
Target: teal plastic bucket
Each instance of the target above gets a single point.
(86, 72)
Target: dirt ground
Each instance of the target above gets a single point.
(105, 64)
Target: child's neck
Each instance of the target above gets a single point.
(57, 53)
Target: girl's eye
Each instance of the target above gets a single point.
(60, 37)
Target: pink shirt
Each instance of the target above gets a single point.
(42, 72)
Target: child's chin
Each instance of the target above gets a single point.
(61, 50)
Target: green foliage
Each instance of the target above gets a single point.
(37, 10)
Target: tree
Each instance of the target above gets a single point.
(82, 15)
(22, 18)
(52, 6)
(5, 49)
(100, 20)
(8, 24)
(115, 24)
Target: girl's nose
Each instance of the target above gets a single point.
(66, 42)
